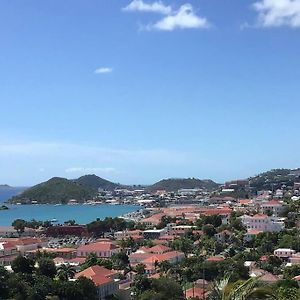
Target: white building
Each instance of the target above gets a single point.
(261, 222)
(284, 252)
(274, 206)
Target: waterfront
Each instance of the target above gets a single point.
(82, 214)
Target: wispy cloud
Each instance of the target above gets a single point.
(276, 13)
(155, 7)
(184, 18)
(84, 170)
(103, 70)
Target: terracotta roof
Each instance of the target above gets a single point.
(98, 246)
(254, 232)
(6, 245)
(158, 248)
(100, 280)
(260, 216)
(96, 270)
(216, 258)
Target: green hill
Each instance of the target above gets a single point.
(274, 179)
(55, 190)
(174, 184)
(95, 182)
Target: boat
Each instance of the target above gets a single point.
(54, 220)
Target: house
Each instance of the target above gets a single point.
(8, 252)
(150, 260)
(102, 249)
(251, 233)
(196, 292)
(24, 244)
(153, 233)
(284, 252)
(274, 207)
(104, 279)
(154, 220)
(262, 222)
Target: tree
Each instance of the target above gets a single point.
(183, 244)
(291, 272)
(240, 290)
(4, 289)
(65, 272)
(90, 261)
(46, 267)
(140, 269)
(163, 289)
(209, 230)
(86, 288)
(22, 265)
(19, 225)
(120, 260)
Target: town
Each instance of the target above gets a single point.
(177, 245)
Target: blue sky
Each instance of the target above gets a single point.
(137, 91)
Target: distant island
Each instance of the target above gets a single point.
(87, 187)
(5, 186)
(3, 207)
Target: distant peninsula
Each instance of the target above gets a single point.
(5, 186)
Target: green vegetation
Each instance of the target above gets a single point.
(94, 182)
(55, 190)
(28, 282)
(174, 184)
(274, 179)
(99, 227)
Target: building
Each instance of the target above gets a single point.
(8, 252)
(63, 230)
(104, 279)
(274, 207)
(24, 244)
(262, 222)
(102, 249)
(153, 233)
(284, 252)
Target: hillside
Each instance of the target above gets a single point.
(174, 184)
(94, 182)
(274, 179)
(55, 190)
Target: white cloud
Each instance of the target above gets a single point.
(275, 13)
(184, 18)
(103, 70)
(156, 7)
(84, 170)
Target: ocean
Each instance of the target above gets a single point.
(82, 214)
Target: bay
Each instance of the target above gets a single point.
(82, 214)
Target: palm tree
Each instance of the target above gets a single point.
(65, 271)
(250, 289)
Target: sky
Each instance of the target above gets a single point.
(136, 91)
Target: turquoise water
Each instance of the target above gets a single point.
(82, 214)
